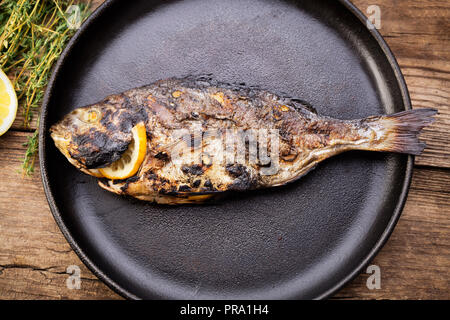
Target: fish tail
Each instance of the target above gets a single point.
(399, 132)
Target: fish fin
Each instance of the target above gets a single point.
(400, 131)
(298, 103)
(114, 188)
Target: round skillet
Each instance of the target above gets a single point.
(302, 241)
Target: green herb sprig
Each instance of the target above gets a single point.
(33, 34)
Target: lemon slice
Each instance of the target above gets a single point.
(131, 160)
(8, 103)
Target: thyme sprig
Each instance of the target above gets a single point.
(33, 34)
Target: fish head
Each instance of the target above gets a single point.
(94, 136)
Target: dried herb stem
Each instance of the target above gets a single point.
(33, 34)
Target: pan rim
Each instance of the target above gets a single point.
(127, 294)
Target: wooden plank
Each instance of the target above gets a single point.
(416, 29)
(417, 32)
(34, 255)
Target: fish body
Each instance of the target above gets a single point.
(206, 137)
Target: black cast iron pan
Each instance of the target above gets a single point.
(302, 241)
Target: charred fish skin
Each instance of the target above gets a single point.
(206, 137)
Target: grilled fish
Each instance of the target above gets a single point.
(205, 137)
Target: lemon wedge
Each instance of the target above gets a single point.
(131, 160)
(8, 103)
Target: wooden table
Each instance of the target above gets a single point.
(415, 263)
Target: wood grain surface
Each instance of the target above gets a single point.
(415, 262)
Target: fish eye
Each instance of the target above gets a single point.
(91, 116)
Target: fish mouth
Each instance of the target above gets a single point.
(62, 144)
(61, 141)
(61, 138)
